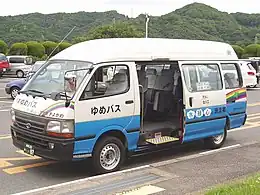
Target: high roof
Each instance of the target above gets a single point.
(124, 49)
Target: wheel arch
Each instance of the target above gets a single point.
(113, 133)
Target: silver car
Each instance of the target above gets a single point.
(18, 65)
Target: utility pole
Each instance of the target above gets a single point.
(146, 25)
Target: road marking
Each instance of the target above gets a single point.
(23, 168)
(252, 118)
(82, 180)
(8, 102)
(130, 170)
(254, 104)
(255, 114)
(5, 137)
(5, 110)
(220, 149)
(243, 128)
(144, 190)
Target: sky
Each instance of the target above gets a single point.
(132, 8)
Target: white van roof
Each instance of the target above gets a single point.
(146, 49)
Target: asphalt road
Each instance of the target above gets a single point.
(20, 172)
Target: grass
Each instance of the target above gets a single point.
(247, 186)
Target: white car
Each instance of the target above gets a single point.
(248, 74)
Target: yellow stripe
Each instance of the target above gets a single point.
(22, 169)
(254, 104)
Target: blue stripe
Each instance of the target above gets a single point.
(204, 129)
(238, 119)
(99, 127)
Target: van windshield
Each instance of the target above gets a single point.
(50, 77)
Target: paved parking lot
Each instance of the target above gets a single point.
(20, 172)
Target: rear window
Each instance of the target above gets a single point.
(2, 57)
(16, 60)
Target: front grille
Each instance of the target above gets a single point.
(35, 141)
(30, 123)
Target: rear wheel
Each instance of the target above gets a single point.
(216, 142)
(109, 155)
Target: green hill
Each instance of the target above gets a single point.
(193, 21)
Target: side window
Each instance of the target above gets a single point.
(232, 76)
(16, 60)
(107, 81)
(202, 77)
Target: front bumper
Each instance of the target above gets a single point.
(8, 90)
(62, 151)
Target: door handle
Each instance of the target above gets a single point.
(129, 102)
(190, 101)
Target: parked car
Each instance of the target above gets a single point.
(13, 87)
(4, 64)
(18, 65)
(248, 74)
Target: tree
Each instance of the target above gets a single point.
(64, 45)
(3, 47)
(35, 49)
(117, 30)
(239, 50)
(49, 47)
(251, 50)
(18, 49)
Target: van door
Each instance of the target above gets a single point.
(204, 100)
(107, 103)
(236, 98)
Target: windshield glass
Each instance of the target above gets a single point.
(50, 77)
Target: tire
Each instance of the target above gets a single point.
(103, 147)
(216, 142)
(14, 91)
(20, 74)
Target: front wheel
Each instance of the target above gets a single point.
(14, 91)
(109, 155)
(20, 74)
(216, 142)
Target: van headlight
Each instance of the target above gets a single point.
(60, 129)
(12, 115)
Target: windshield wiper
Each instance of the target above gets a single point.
(31, 90)
(34, 92)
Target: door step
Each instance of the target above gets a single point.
(162, 140)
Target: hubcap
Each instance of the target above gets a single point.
(19, 74)
(218, 139)
(14, 93)
(110, 156)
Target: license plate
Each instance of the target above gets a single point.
(28, 149)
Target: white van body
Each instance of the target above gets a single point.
(189, 99)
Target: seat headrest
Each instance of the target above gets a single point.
(166, 72)
(230, 75)
(151, 71)
(120, 77)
